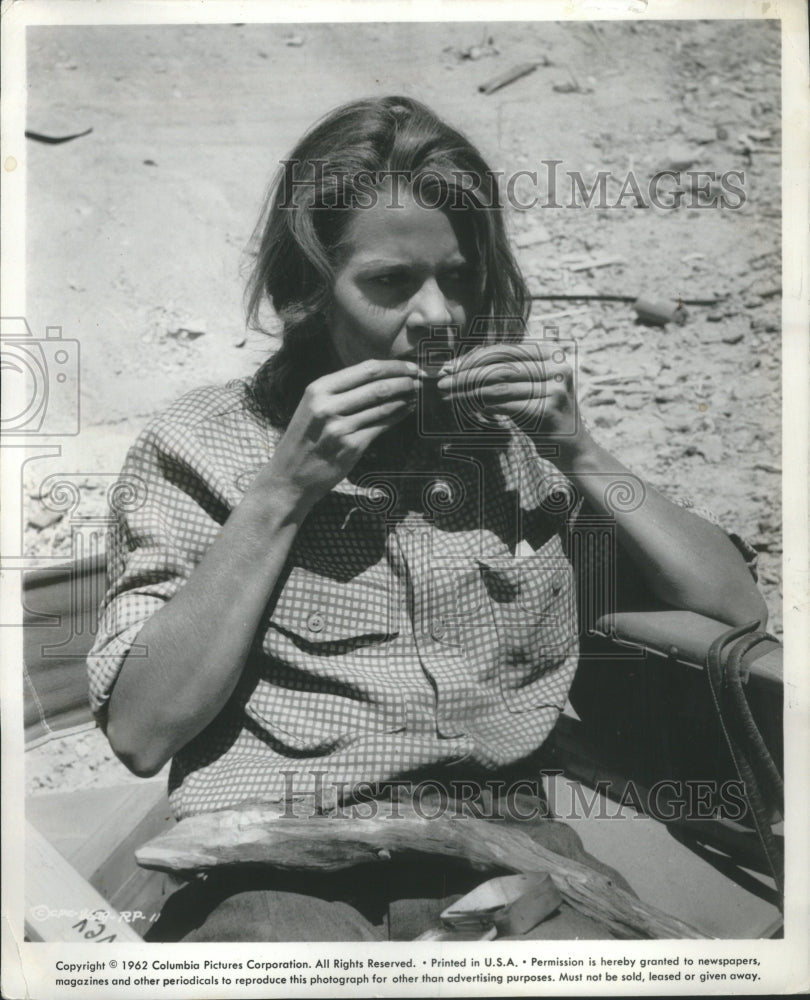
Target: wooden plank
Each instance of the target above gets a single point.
(98, 829)
(262, 835)
(504, 79)
(60, 905)
(60, 611)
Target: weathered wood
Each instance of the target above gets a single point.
(97, 830)
(503, 79)
(60, 905)
(262, 835)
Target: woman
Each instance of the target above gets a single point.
(349, 570)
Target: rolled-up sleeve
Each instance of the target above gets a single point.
(160, 531)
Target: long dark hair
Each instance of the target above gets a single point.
(296, 242)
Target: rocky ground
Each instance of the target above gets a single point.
(136, 234)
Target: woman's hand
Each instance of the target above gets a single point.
(337, 419)
(532, 384)
(685, 561)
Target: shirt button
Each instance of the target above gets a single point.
(438, 631)
(316, 622)
(557, 582)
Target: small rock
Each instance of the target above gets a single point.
(538, 234)
(680, 158)
(703, 135)
(589, 368)
(733, 338)
(39, 516)
(761, 324)
(766, 289)
(294, 41)
(189, 330)
(711, 449)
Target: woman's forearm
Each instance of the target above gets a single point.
(197, 644)
(686, 561)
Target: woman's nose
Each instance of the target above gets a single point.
(429, 306)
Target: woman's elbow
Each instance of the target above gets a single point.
(141, 757)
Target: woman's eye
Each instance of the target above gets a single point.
(459, 276)
(386, 280)
(463, 273)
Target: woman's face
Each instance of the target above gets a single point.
(401, 271)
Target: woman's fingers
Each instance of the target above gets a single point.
(373, 394)
(514, 362)
(497, 393)
(392, 409)
(481, 356)
(365, 372)
(361, 439)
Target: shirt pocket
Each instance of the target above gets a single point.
(326, 617)
(316, 722)
(324, 683)
(534, 610)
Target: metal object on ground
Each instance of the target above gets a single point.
(515, 73)
(659, 312)
(513, 904)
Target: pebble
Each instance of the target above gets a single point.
(711, 449)
(680, 158)
(189, 331)
(538, 234)
(761, 324)
(40, 516)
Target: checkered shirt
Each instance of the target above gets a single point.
(425, 620)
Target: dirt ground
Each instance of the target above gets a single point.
(137, 233)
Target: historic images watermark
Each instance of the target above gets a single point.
(309, 795)
(550, 185)
(40, 381)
